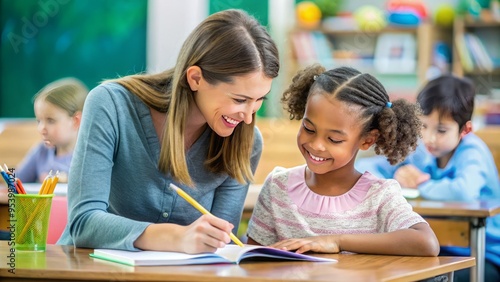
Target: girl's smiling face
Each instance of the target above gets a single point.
(329, 137)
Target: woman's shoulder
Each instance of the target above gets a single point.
(109, 91)
(112, 97)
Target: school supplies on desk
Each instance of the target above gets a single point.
(32, 212)
(201, 209)
(230, 254)
(11, 181)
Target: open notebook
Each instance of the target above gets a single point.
(229, 254)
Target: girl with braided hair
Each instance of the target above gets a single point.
(326, 205)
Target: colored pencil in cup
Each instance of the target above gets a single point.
(7, 178)
(46, 182)
(20, 186)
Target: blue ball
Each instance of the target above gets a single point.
(404, 18)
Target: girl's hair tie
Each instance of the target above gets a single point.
(315, 77)
(388, 105)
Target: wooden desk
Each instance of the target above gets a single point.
(474, 214)
(65, 263)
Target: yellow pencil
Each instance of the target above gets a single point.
(201, 209)
(44, 184)
(53, 183)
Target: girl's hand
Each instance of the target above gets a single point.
(409, 176)
(318, 244)
(206, 234)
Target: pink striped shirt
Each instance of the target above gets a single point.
(287, 208)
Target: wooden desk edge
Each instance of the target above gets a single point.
(73, 270)
(468, 263)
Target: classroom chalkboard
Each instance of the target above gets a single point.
(257, 8)
(44, 40)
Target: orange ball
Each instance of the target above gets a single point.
(308, 14)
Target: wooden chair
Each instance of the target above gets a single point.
(451, 232)
(58, 218)
(491, 136)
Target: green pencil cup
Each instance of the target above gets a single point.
(32, 213)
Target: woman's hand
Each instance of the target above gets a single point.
(409, 176)
(318, 244)
(206, 234)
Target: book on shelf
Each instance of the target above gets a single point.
(230, 254)
(478, 52)
(312, 47)
(322, 48)
(303, 47)
(395, 53)
(463, 53)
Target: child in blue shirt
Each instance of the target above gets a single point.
(451, 163)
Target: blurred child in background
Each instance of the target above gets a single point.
(451, 163)
(58, 109)
(327, 205)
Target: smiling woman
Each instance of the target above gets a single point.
(228, 103)
(192, 126)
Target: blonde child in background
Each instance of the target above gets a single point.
(326, 205)
(58, 109)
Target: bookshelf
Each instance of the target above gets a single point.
(476, 52)
(352, 47)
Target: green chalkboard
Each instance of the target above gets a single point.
(44, 40)
(257, 8)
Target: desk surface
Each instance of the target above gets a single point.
(479, 209)
(68, 263)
